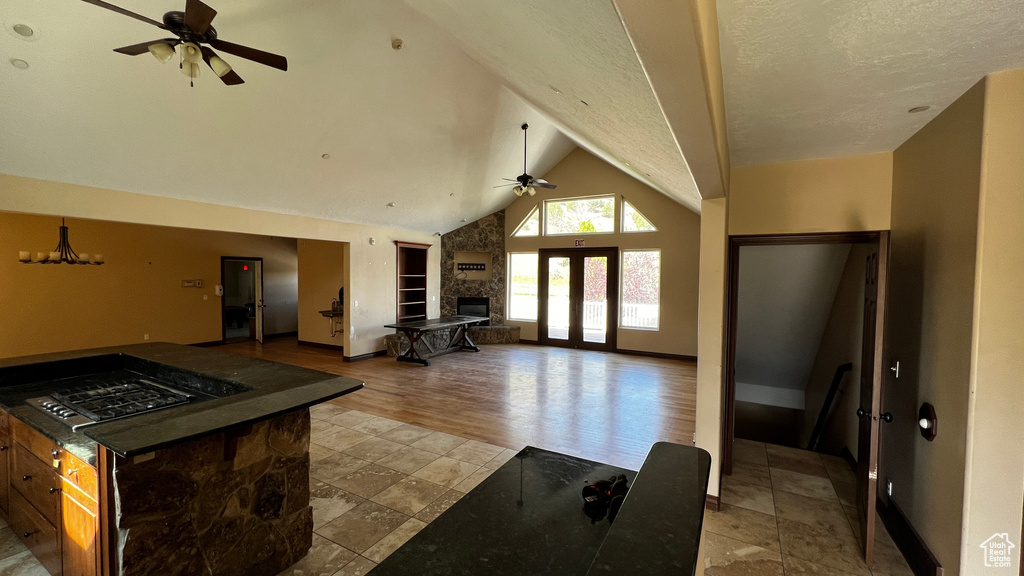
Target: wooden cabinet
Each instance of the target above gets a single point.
(412, 281)
(5, 470)
(53, 499)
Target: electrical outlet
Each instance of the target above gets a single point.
(206, 297)
(145, 336)
(355, 303)
(888, 487)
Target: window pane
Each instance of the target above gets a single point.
(582, 216)
(634, 221)
(530, 226)
(558, 298)
(595, 299)
(641, 279)
(522, 302)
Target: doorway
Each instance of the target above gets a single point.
(578, 298)
(242, 301)
(869, 412)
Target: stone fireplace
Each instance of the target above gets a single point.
(474, 306)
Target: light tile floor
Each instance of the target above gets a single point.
(787, 511)
(376, 482)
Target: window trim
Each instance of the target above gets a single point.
(544, 215)
(508, 294)
(622, 280)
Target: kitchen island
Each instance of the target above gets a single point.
(199, 463)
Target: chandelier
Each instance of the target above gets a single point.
(62, 254)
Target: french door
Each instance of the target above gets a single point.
(578, 295)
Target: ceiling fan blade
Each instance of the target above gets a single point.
(231, 78)
(542, 184)
(136, 49)
(510, 179)
(198, 16)
(265, 58)
(128, 13)
(505, 185)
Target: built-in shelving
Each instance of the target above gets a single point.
(412, 281)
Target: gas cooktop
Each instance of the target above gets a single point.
(91, 399)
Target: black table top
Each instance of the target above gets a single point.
(271, 389)
(526, 518)
(436, 323)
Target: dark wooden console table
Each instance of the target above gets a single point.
(458, 338)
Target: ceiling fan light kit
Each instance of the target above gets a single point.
(193, 30)
(161, 52)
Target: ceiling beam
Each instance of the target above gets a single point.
(667, 41)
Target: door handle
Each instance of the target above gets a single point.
(861, 413)
(887, 417)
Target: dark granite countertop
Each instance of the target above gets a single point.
(527, 518)
(272, 389)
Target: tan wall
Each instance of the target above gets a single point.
(51, 308)
(372, 281)
(714, 248)
(321, 273)
(995, 454)
(851, 193)
(840, 343)
(678, 238)
(936, 177)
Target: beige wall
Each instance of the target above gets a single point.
(714, 248)
(928, 319)
(994, 481)
(678, 238)
(372, 281)
(50, 308)
(321, 273)
(840, 343)
(850, 193)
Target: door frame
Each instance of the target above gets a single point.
(576, 293)
(732, 288)
(259, 305)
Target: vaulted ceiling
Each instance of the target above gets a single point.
(427, 127)
(434, 126)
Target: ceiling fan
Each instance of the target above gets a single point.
(193, 30)
(524, 183)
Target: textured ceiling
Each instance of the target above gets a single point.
(573, 59)
(821, 78)
(426, 127)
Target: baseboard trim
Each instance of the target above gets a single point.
(293, 333)
(207, 344)
(917, 554)
(524, 341)
(712, 503)
(683, 357)
(376, 354)
(320, 345)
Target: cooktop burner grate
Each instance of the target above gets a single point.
(99, 399)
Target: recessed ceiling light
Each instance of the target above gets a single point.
(917, 109)
(325, 156)
(24, 30)
(19, 64)
(392, 204)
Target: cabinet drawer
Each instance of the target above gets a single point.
(37, 482)
(70, 467)
(36, 533)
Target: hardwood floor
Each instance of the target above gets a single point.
(600, 406)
